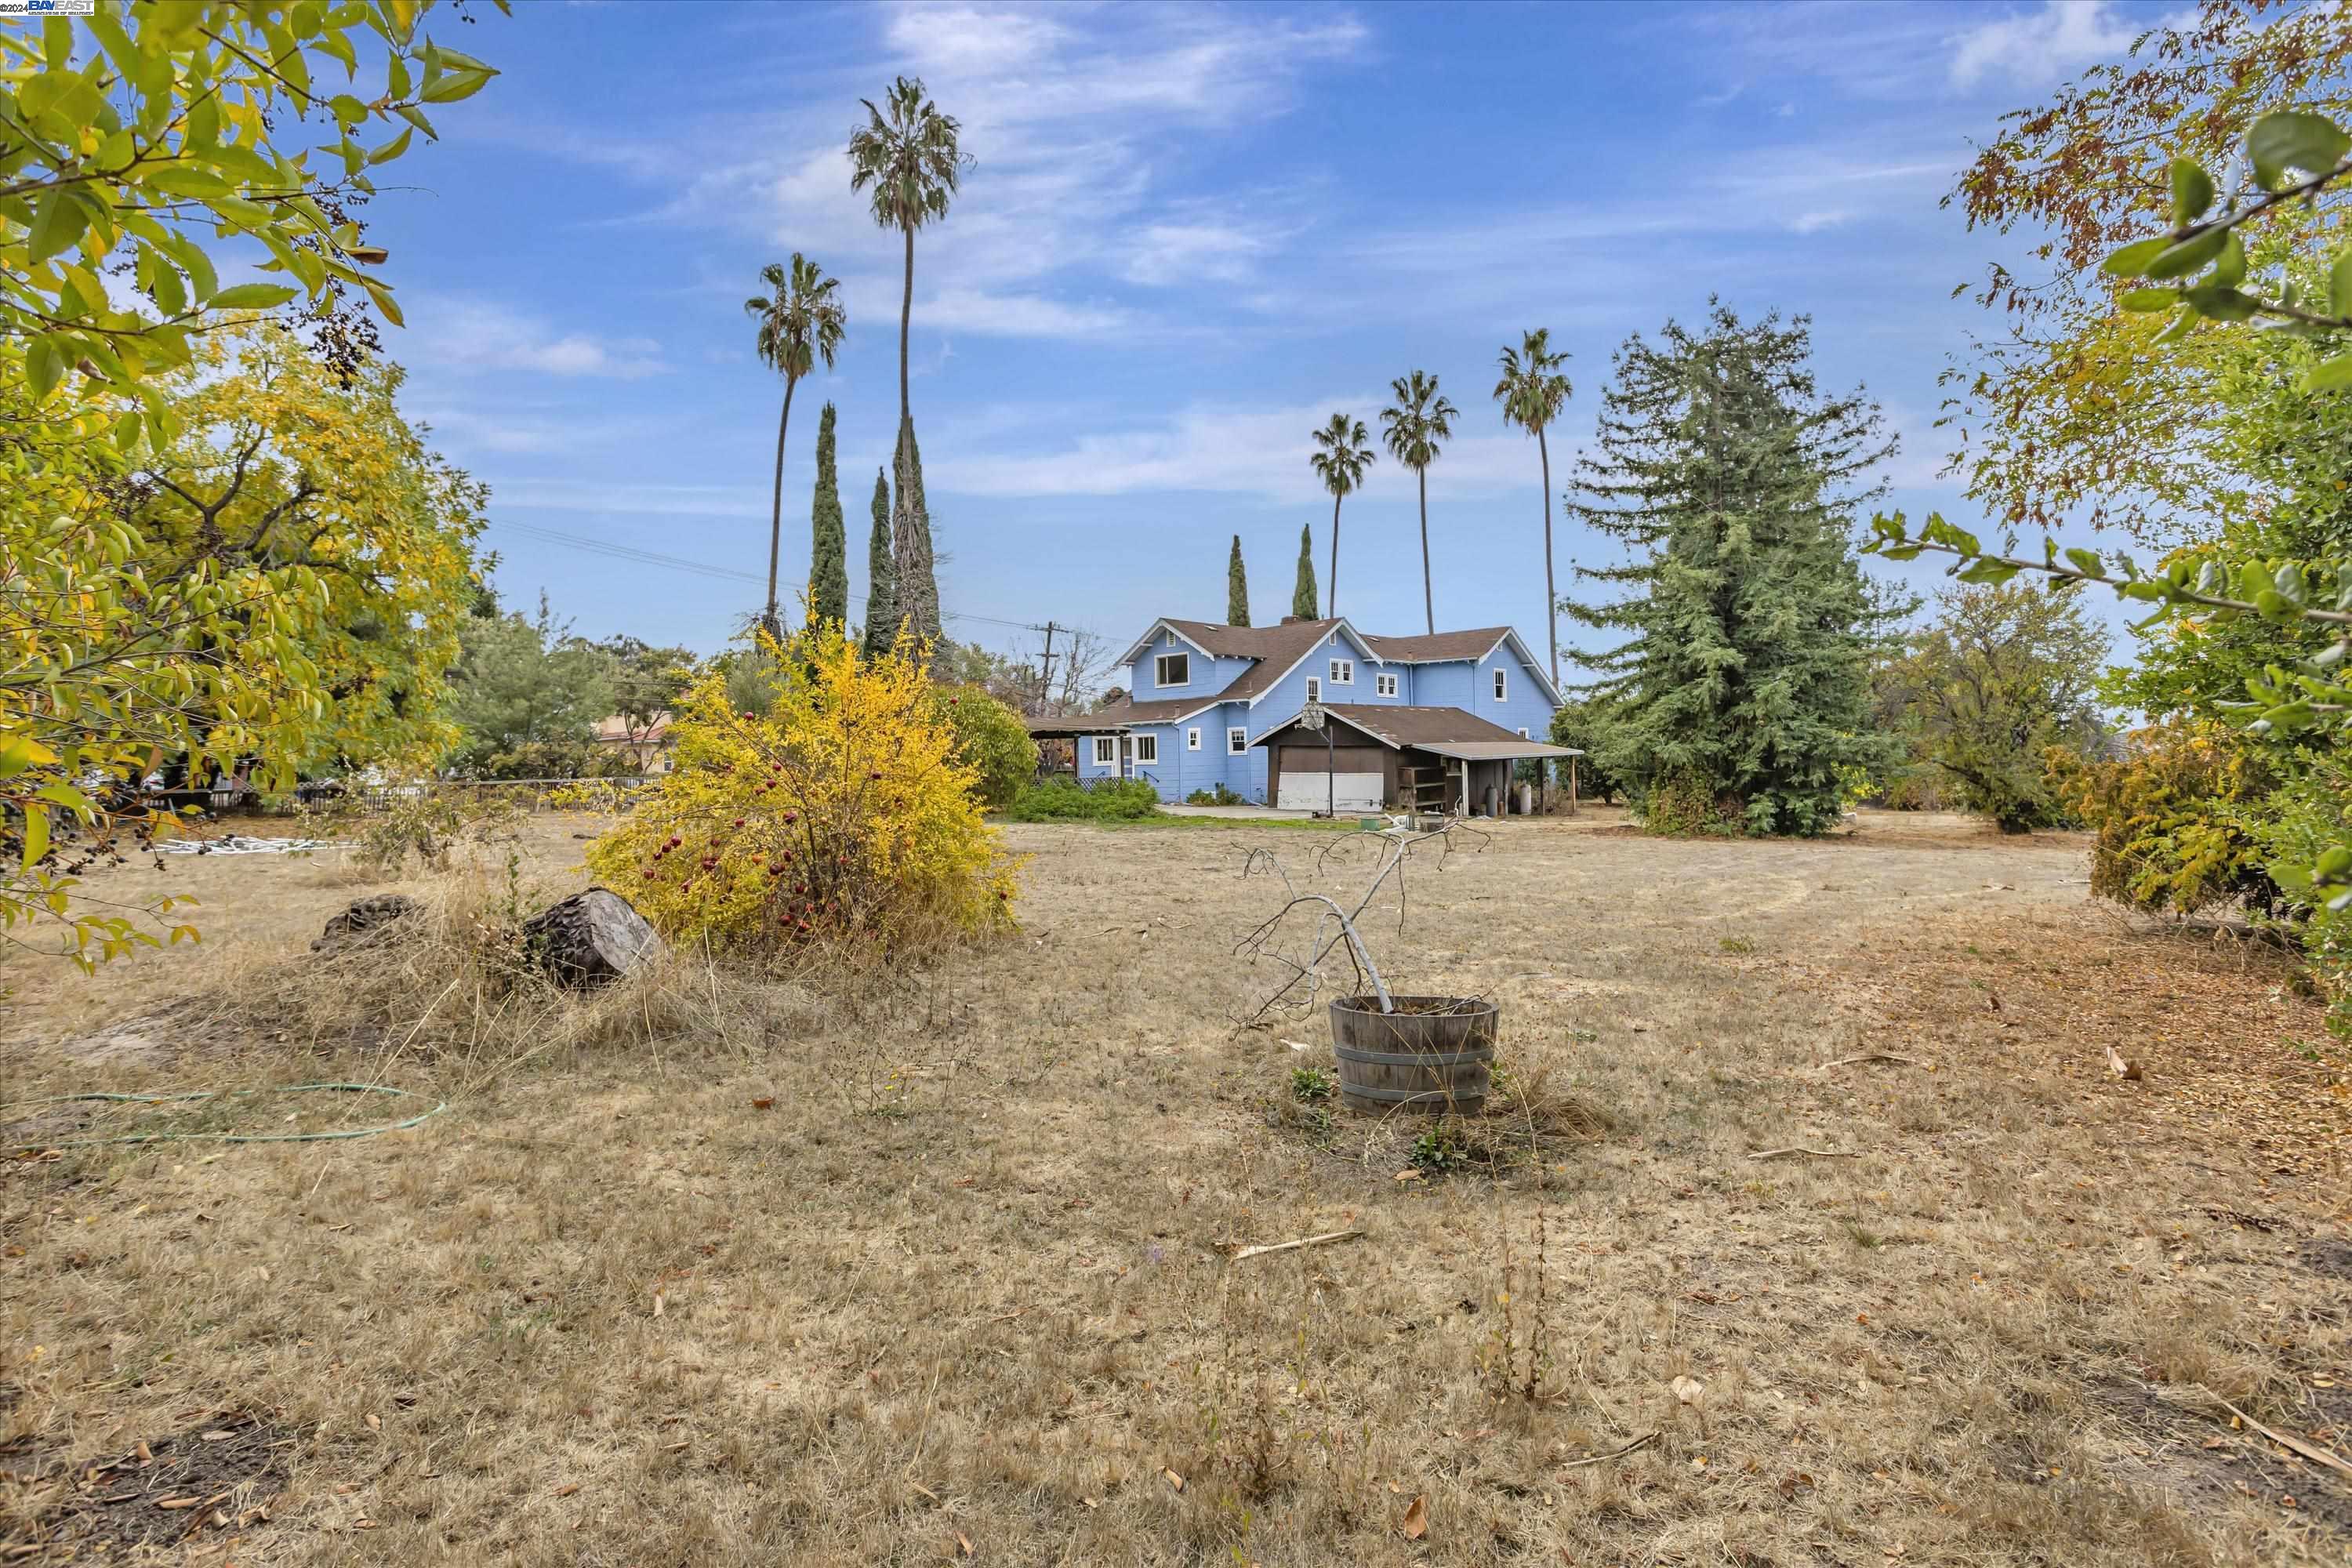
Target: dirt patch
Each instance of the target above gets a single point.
(210, 1483)
(2177, 1451)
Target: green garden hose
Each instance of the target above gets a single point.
(241, 1137)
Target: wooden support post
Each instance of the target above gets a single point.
(1572, 785)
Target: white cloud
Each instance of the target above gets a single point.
(2034, 48)
(984, 314)
(1161, 254)
(1259, 451)
(1814, 222)
(482, 334)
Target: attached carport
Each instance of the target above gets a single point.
(1371, 756)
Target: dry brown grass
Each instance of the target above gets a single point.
(965, 1278)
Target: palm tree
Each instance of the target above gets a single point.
(1417, 424)
(1345, 455)
(801, 322)
(1533, 391)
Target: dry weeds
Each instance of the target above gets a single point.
(817, 1269)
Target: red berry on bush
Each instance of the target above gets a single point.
(739, 822)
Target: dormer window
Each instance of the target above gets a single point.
(1172, 669)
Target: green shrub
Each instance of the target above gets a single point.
(1681, 806)
(1062, 799)
(991, 738)
(2172, 819)
(1309, 1084)
(1219, 795)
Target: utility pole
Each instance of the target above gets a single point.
(1046, 679)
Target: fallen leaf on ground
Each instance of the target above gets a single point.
(963, 1544)
(567, 1489)
(763, 1103)
(1416, 1519)
(1174, 1479)
(1688, 1390)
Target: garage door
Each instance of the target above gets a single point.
(1341, 792)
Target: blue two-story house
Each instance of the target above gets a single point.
(1211, 705)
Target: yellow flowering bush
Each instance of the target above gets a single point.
(840, 813)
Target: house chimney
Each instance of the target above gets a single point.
(1292, 620)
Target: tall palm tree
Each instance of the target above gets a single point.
(1345, 455)
(1417, 425)
(906, 152)
(800, 321)
(1533, 391)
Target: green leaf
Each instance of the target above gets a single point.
(2140, 300)
(2330, 375)
(2292, 139)
(2179, 260)
(36, 834)
(1985, 569)
(2132, 260)
(2182, 325)
(2230, 267)
(45, 366)
(2192, 191)
(415, 117)
(2217, 303)
(2339, 286)
(57, 222)
(252, 297)
(392, 149)
(2087, 562)
(451, 86)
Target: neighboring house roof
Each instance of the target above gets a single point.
(1439, 645)
(1447, 732)
(1112, 720)
(616, 730)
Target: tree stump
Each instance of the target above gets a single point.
(590, 938)
(363, 921)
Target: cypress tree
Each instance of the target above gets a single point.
(1302, 598)
(828, 547)
(1236, 588)
(882, 587)
(1741, 693)
(910, 557)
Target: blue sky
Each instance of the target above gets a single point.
(1191, 234)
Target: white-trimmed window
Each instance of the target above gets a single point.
(1236, 741)
(1314, 689)
(1343, 672)
(1192, 739)
(1146, 748)
(1502, 684)
(1105, 751)
(1172, 669)
(1384, 685)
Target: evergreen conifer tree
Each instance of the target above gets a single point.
(1741, 695)
(828, 547)
(882, 588)
(1236, 588)
(1303, 597)
(910, 557)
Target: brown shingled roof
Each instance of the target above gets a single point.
(1395, 724)
(1473, 644)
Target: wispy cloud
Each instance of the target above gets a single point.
(2034, 49)
(471, 334)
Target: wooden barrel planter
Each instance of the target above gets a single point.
(1432, 1055)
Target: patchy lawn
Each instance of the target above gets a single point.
(934, 1267)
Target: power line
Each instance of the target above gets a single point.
(679, 564)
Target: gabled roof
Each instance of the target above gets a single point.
(1440, 646)
(1121, 715)
(1396, 725)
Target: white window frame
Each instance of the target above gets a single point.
(1192, 738)
(1343, 672)
(1146, 750)
(1314, 689)
(1384, 685)
(1159, 668)
(1106, 743)
(1237, 741)
(1502, 684)
(1523, 732)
